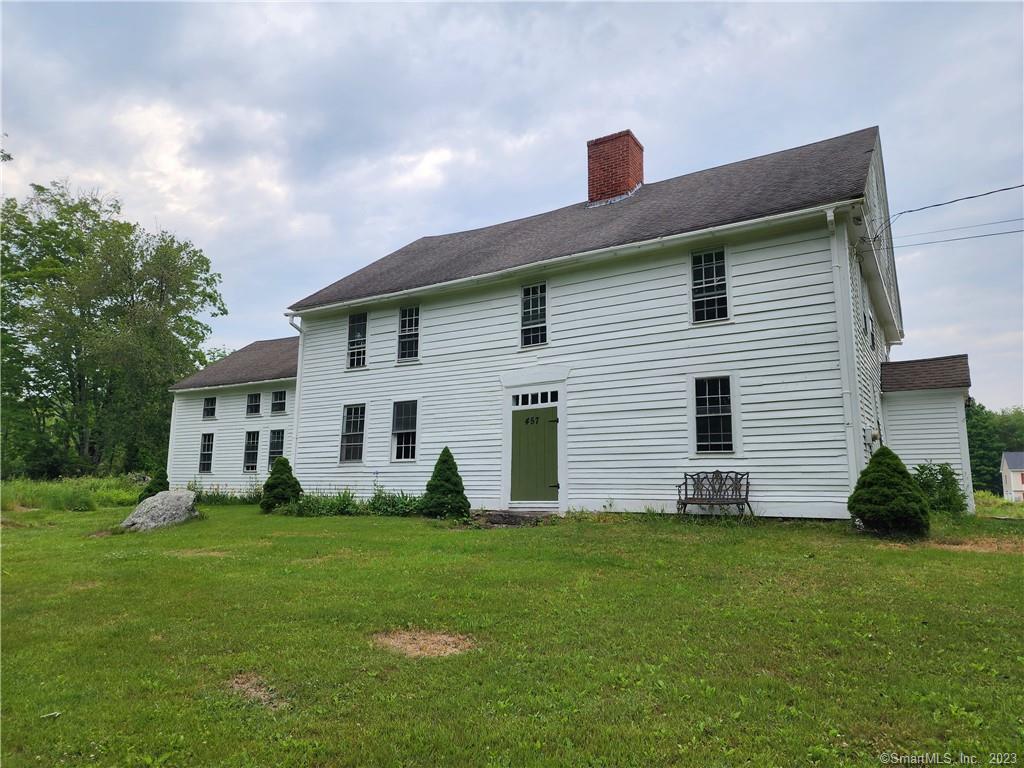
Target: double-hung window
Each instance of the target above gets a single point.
(534, 329)
(403, 431)
(352, 428)
(252, 404)
(278, 401)
(252, 449)
(209, 407)
(357, 340)
(708, 286)
(276, 446)
(713, 409)
(408, 333)
(206, 452)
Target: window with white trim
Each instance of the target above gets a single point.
(409, 333)
(713, 414)
(403, 431)
(276, 446)
(209, 407)
(357, 340)
(206, 452)
(278, 401)
(352, 429)
(252, 404)
(528, 399)
(534, 328)
(252, 449)
(708, 289)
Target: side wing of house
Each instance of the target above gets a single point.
(621, 378)
(227, 437)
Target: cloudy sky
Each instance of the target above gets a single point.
(296, 143)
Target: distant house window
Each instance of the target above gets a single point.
(252, 449)
(534, 315)
(276, 446)
(357, 340)
(206, 452)
(713, 404)
(352, 432)
(252, 404)
(403, 431)
(278, 401)
(709, 289)
(209, 407)
(408, 333)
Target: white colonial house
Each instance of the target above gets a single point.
(738, 318)
(1012, 470)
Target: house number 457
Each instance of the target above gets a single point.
(532, 420)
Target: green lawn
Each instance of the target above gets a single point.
(615, 641)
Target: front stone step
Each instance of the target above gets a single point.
(510, 517)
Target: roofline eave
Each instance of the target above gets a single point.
(176, 389)
(599, 253)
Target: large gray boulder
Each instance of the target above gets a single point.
(166, 508)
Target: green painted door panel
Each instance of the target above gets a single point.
(535, 454)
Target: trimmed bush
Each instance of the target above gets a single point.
(939, 484)
(445, 496)
(886, 498)
(156, 484)
(281, 487)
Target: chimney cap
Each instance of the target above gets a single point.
(616, 135)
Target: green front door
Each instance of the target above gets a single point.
(535, 454)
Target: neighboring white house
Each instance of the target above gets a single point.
(1012, 470)
(735, 318)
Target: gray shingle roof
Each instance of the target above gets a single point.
(1014, 459)
(260, 361)
(947, 372)
(829, 171)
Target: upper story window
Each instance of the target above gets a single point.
(713, 414)
(357, 340)
(534, 315)
(409, 333)
(708, 286)
(209, 407)
(871, 325)
(276, 446)
(252, 404)
(278, 401)
(206, 452)
(403, 431)
(252, 450)
(352, 428)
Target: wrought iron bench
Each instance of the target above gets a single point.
(715, 489)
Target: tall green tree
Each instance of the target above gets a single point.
(99, 318)
(989, 433)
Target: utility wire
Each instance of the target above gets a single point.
(952, 229)
(892, 219)
(955, 239)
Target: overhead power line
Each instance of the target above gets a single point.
(892, 219)
(953, 229)
(955, 239)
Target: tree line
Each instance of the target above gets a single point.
(99, 318)
(989, 433)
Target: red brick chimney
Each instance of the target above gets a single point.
(615, 165)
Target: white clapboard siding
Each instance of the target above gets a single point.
(869, 362)
(623, 330)
(228, 428)
(929, 426)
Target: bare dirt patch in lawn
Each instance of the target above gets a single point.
(81, 586)
(419, 643)
(1012, 546)
(254, 688)
(101, 534)
(198, 553)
